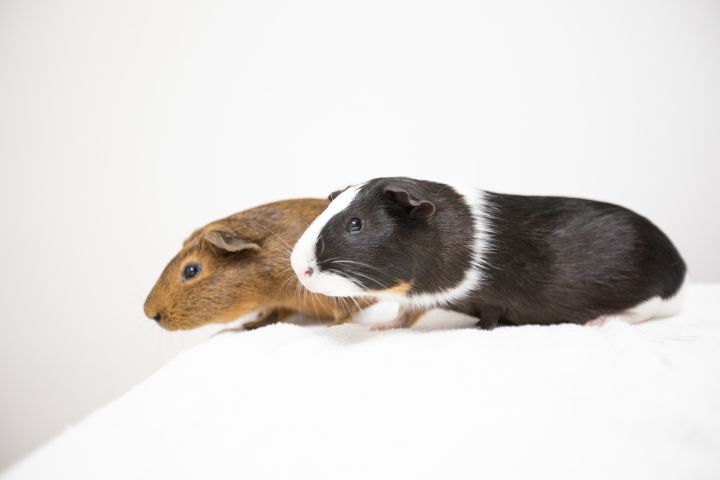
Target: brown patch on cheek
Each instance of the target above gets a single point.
(401, 288)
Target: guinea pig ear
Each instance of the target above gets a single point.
(334, 194)
(229, 242)
(415, 207)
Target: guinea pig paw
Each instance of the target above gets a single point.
(384, 326)
(341, 321)
(598, 322)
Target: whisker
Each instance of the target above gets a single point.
(343, 301)
(355, 272)
(278, 236)
(282, 286)
(305, 292)
(352, 262)
(312, 297)
(353, 280)
(357, 305)
(372, 280)
(282, 248)
(278, 258)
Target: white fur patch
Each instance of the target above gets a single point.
(303, 254)
(377, 314)
(655, 307)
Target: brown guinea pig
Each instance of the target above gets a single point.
(239, 265)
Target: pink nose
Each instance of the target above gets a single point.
(309, 272)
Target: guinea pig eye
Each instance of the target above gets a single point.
(354, 225)
(190, 270)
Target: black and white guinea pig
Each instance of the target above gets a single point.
(506, 259)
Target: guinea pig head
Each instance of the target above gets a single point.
(372, 239)
(214, 278)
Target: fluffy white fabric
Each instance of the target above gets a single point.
(618, 401)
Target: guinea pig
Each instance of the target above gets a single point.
(505, 259)
(239, 265)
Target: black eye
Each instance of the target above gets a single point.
(191, 269)
(354, 225)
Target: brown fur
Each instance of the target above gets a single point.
(399, 289)
(245, 267)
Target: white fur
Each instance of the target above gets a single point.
(377, 314)
(655, 307)
(303, 254)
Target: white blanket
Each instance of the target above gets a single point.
(285, 401)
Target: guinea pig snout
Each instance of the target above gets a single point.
(151, 312)
(303, 267)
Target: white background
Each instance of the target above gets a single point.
(125, 125)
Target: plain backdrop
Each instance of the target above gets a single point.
(126, 125)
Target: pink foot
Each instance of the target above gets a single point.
(598, 322)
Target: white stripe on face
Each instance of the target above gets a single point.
(303, 254)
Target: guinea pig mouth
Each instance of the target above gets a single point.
(165, 323)
(172, 326)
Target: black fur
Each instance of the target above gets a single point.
(550, 259)
(396, 244)
(558, 260)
